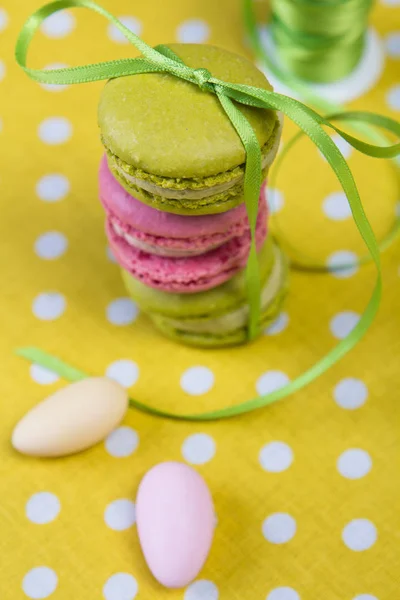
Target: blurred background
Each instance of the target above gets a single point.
(306, 491)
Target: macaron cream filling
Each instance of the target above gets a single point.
(160, 250)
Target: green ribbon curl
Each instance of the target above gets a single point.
(230, 96)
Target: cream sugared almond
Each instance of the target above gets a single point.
(72, 419)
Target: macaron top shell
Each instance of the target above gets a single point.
(169, 127)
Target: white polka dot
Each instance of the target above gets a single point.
(198, 448)
(51, 245)
(43, 376)
(2, 70)
(336, 206)
(283, 593)
(55, 130)
(275, 200)
(341, 145)
(354, 463)
(279, 325)
(52, 87)
(279, 528)
(48, 306)
(110, 255)
(393, 97)
(120, 586)
(3, 19)
(350, 393)
(42, 508)
(124, 371)
(122, 311)
(53, 187)
(122, 442)
(131, 23)
(58, 25)
(120, 514)
(391, 2)
(359, 535)
(197, 380)
(343, 323)
(276, 457)
(271, 381)
(203, 589)
(39, 582)
(392, 44)
(343, 257)
(365, 597)
(193, 31)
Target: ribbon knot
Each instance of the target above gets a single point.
(203, 79)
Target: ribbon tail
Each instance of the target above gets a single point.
(69, 373)
(362, 122)
(52, 363)
(163, 49)
(252, 96)
(252, 185)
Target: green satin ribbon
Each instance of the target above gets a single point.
(231, 96)
(320, 41)
(285, 75)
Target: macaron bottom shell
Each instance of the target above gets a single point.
(208, 340)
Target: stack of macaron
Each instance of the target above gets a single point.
(171, 183)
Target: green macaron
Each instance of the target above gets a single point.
(217, 317)
(171, 145)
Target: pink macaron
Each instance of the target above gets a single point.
(189, 274)
(161, 233)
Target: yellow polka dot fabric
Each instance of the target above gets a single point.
(307, 491)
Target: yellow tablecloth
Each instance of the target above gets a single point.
(306, 491)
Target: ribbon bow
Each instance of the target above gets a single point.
(162, 60)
